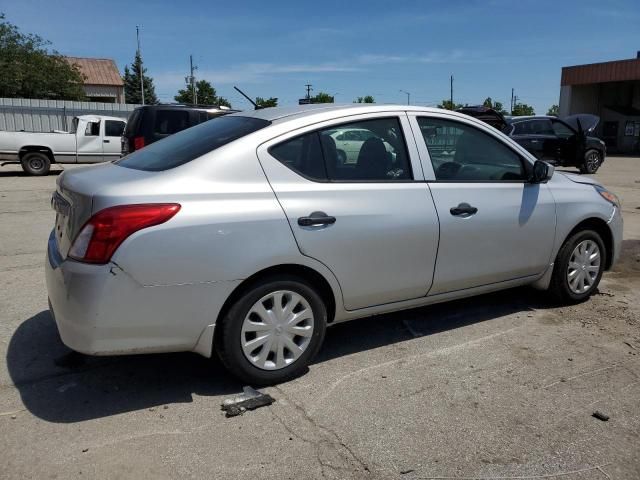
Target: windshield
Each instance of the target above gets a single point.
(191, 143)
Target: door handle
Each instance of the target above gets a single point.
(106, 141)
(316, 218)
(463, 210)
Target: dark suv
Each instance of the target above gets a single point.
(565, 141)
(151, 123)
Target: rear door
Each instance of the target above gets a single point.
(112, 132)
(372, 222)
(538, 137)
(494, 225)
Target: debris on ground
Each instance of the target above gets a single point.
(404, 472)
(249, 399)
(600, 416)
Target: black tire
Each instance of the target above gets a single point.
(592, 161)
(35, 163)
(559, 286)
(227, 340)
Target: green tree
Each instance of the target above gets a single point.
(520, 109)
(554, 110)
(131, 80)
(365, 99)
(31, 69)
(322, 97)
(205, 93)
(266, 102)
(446, 104)
(497, 106)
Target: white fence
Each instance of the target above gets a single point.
(33, 115)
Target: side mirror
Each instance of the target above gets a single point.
(542, 172)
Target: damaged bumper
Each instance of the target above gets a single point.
(101, 310)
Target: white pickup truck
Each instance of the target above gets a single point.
(93, 138)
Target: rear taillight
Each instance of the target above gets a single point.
(138, 143)
(107, 229)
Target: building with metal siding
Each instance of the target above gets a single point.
(610, 90)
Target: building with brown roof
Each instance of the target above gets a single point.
(610, 90)
(103, 82)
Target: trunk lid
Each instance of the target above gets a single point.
(583, 122)
(74, 195)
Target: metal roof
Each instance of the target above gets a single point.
(98, 71)
(615, 71)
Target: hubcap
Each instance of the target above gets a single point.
(36, 164)
(277, 330)
(584, 266)
(593, 160)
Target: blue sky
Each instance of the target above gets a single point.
(349, 48)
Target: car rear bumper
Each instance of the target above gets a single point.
(102, 310)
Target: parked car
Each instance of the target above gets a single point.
(568, 141)
(247, 236)
(150, 123)
(93, 138)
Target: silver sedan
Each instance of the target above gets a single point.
(247, 235)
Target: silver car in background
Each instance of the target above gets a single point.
(247, 235)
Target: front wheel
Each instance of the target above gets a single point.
(35, 163)
(592, 161)
(578, 267)
(273, 331)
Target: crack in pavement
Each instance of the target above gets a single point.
(327, 438)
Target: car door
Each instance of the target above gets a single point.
(567, 143)
(89, 141)
(113, 130)
(538, 137)
(494, 225)
(373, 223)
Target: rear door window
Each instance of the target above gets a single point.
(113, 128)
(168, 122)
(378, 153)
(190, 144)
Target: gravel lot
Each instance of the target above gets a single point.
(500, 386)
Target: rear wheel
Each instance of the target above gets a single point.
(272, 331)
(592, 161)
(35, 163)
(578, 267)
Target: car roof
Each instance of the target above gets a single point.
(178, 106)
(276, 114)
(531, 117)
(97, 118)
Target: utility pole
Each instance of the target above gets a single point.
(408, 96)
(512, 97)
(451, 92)
(308, 86)
(140, 72)
(192, 79)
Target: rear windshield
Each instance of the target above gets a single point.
(132, 123)
(191, 143)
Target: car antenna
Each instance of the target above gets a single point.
(257, 107)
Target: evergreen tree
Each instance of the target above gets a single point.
(131, 80)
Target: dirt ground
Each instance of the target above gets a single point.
(498, 386)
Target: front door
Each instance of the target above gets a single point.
(111, 148)
(371, 222)
(89, 142)
(494, 225)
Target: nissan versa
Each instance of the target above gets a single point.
(248, 234)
